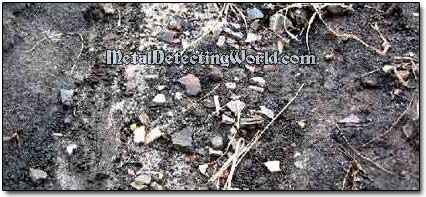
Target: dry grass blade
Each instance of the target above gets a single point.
(239, 155)
(393, 124)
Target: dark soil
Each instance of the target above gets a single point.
(103, 107)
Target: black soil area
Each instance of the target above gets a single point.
(71, 122)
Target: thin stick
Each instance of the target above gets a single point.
(393, 124)
(361, 155)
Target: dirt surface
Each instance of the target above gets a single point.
(52, 47)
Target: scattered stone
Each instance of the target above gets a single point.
(215, 152)
(267, 112)
(175, 23)
(58, 134)
(141, 181)
(139, 135)
(236, 106)
(169, 37)
(143, 178)
(144, 119)
(178, 95)
(215, 74)
(227, 120)
(108, 8)
(191, 83)
(273, 166)
(216, 104)
(351, 119)
(302, 124)
(203, 169)
(66, 96)
(329, 57)
(221, 41)
(71, 148)
(217, 142)
(183, 138)
(387, 69)
(159, 99)
(256, 88)
(270, 68)
(156, 186)
(299, 164)
(251, 37)
(231, 85)
(254, 13)
(161, 87)
(404, 74)
(153, 134)
(259, 81)
(37, 174)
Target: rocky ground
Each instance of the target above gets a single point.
(72, 122)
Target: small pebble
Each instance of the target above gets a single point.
(273, 166)
(159, 99)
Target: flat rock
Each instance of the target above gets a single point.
(215, 74)
(351, 119)
(217, 142)
(231, 85)
(66, 96)
(254, 13)
(159, 99)
(139, 135)
(153, 134)
(191, 83)
(273, 166)
(183, 138)
(259, 81)
(37, 174)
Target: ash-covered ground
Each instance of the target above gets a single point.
(71, 122)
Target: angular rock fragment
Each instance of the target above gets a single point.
(217, 142)
(254, 13)
(273, 166)
(37, 174)
(183, 138)
(139, 135)
(215, 74)
(191, 83)
(153, 134)
(66, 96)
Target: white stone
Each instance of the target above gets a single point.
(70, 148)
(203, 169)
(350, 119)
(161, 87)
(139, 135)
(160, 98)
(153, 135)
(273, 166)
(259, 81)
(37, 174)
(256, 88)
(178, 95)
(231, 85)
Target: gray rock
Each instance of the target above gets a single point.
(66, 96)
(215, 74)
(183, 138)
(37, 174)
(169, 37)
(191, 83)
(175, 23)
(143, 179)
(217, 142)
(254, 13)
